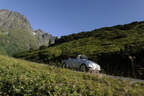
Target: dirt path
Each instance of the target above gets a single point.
(132, 80)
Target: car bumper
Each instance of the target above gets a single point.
(93, 70)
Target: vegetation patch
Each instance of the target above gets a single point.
(19, 77)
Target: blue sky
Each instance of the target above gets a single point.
(62, 17)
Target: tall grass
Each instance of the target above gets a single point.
(19, 77)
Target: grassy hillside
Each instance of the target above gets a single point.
(16, 40)
(19, 77)
(111, 47)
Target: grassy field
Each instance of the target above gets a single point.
(19, 77)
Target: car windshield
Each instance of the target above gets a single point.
(83, 57)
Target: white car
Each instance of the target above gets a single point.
(82, 63)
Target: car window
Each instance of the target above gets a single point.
(83, 57)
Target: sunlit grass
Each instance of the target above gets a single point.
(19, 77)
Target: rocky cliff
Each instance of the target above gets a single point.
(44, 39)
(12, 20)
(16, 33)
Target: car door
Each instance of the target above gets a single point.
(69, 62)
(73, 63)
(76, 63)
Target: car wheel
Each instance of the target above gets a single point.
(97, 71)
(83, 68)
(64, 65)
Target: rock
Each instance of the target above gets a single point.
(15, 33)
(11, 20)
(44, 39)
(15, 28)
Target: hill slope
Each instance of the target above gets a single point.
(118, 49)
(19, 77)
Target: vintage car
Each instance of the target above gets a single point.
(81, 63)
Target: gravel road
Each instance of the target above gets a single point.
(132, 80)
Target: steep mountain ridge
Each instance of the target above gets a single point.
(16, 33)
(10, 20)
(44, 39)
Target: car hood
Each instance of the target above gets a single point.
(87, 61)
(92, 64)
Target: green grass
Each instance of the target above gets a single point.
(19, 77)
(16, 40)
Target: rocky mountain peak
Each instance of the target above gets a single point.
(11, 20)
(16, 34)
(44, 38)
(39, 31)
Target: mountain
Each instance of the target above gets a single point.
(44, 39)
(19, 78)
(118, 49)
(16, 33)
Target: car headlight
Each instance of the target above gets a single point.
(98, 68)
(94, 66)
(89, 65)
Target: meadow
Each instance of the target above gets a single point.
(24, 78)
